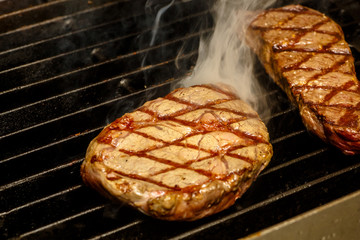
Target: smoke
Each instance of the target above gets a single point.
(224, 57)
(157, 20)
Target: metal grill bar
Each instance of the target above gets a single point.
(27, 17)
(41, 200)
(61, 221)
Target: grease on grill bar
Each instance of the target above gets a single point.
(67, 68)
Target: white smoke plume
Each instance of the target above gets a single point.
(224, 57)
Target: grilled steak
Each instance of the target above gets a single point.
(181, 157)
(306, 54)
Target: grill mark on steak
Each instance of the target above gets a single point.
(331, 43)
(166, 161)
(299, 35)
(220, 125)
(333, 68)
(335, 91)
(112, 177)
(246, 115)
(297, 29)
(324, 49)
(309, 50)
(187, 155)
(301, 32)
(211, 177)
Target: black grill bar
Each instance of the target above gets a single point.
(34, 13)
(70, 67)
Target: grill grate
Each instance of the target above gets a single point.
(69, 67)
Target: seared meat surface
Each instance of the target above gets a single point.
(181, 157)
(305, 53)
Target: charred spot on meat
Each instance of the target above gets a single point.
(185, 156)
(305, 53)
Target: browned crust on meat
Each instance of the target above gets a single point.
(305, 53)
(218, 174)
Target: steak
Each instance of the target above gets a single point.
(305, 53)
(187, 155)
